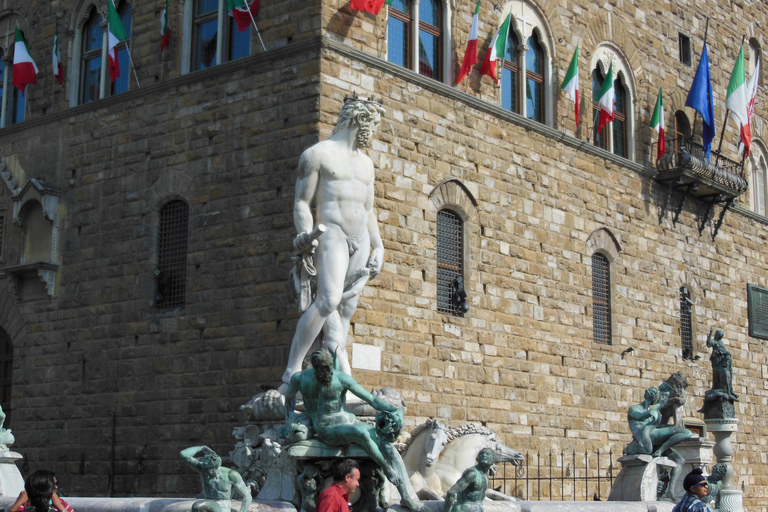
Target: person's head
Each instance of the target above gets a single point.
(486, 457)
(40, 486)
(695, 483)
(362, 113)
(347, 475)
(652, 395)
(322, 362)
(211, 463)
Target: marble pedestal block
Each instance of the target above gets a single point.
(697, 453)
(11, 482)
(730, 496)
(638, 479)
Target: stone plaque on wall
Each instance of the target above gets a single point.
(757, 300)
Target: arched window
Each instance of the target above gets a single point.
(758, 163)
(618, 136)
(620, 120)
(13, 102)
(450, 265)
(534, 80)
(6, 375)
(754, 56)
(601, 299)
(598, 139)
(171, 270)
(122, 82)
(90, 60)
(510, 75)
(398, 33)
(419, 22)
(430, 21)
(686, 328)
(208, 47)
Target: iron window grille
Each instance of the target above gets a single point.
(601, 299)
(171, 270)
(686, 329)
(449, 261)
(685, 49)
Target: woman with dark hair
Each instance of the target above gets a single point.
(40, 494)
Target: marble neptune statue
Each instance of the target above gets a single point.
(339, 241)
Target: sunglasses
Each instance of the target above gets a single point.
(700, 484)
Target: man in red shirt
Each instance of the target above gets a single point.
(346, 478)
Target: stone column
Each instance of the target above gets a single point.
(730, 497)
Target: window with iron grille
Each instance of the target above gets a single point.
(686, 329)
(2, 227)
(6, 374)
(171, 270)
(449, 261)
(685, 48)
(601, 299)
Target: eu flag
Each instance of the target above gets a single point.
(700, 99)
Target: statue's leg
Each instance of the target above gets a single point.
(331, 258)
(674, 473)
(408, 497)
(672, 436)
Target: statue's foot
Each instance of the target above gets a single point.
(410, 504)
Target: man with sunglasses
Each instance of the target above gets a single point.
(696, 488)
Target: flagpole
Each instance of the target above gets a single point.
(725, 122)
(135, 75)
(248, 8)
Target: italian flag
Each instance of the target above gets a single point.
(243, 13)
(58, 69)
(657, 125)
(571, 82)
(607, 100)
(165, 30)
(470, 56)
(116, 33)
(745, 136)
(498, 47)
(736, 102)
(372, 6)
(24, 68)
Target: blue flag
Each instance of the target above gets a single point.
(700, 99)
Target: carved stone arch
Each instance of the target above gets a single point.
(8, 20)
(757, 174)
(173, 184)
(82, 11)
(676, 101)
(453, 194)
(11, 318)
(603, 241)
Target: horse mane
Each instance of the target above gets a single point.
(429, 424)
(470, 428)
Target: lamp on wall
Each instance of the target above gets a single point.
(627, 351)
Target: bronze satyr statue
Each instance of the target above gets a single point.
(650, 437)
(468, 492)
(218, 482)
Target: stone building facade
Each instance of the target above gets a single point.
(108, 382)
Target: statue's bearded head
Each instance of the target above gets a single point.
(486, 457)
(211, 463)
(363, 114)
(322, 362)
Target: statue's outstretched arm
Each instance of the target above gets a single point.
(376, 259)
(461, 484)
(189, 455)
(360, 392)
(290, 396)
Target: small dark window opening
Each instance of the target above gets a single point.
(685, 49)
(6, 374)
(686, 330)
(601, 299)
(449, 261)
(2, 226)
(171, 270)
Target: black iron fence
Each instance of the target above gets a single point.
(553, 477)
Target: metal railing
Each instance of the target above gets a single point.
(684, 153)
(557, 477)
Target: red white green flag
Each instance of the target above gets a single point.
(571, 82)
(497, 47)
(372, 6)
(24, 68)
(745, 136)
(165, 29)
(243, 13)
(116, 33)
(736, 101)
(607, 100)
(470, 57)
(58, 69)
(657, 125)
